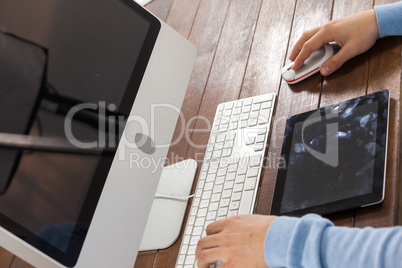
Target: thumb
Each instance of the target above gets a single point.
(337, 60)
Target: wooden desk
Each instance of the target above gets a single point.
(242, 45)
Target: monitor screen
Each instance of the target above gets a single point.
(82, 64)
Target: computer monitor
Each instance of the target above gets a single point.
(99, 66)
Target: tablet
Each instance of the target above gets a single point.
(334, 158)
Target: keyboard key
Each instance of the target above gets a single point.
(186, 239)
(252, 122)
(217, 154)
(208, 186)
(190, 259)
(197, 230)
(191, 250)
(226, 193)
(240, 178)
(248, 101)
(232, 213)
(222, 212)
(210, 177)
(228, 184)
(211, 215)
(229, 175)
(213, 206)
(243, 123)
(263, 98)
(225, 202)
(220, 138)
(236, 196)
(254, 114)
(199, 221)
(202, 212)
(181, 259)
(204, 203)
(228, 105)
(206, 194)
(189, 230)
(255, 107)
(234, 205)
(255, 160)
(226, 152)
(250, 140)
(250, 183)
(266, 105)
(252, 172)
(246, 202)
(216, 197)
(184, 249)
(238, 187)
(258, 147)
(219, 180)
(246, 108)
(260, 138)
(218, 188)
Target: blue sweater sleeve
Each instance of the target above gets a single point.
(389, 19)
(312, 241)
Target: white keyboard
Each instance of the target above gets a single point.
(230, 173)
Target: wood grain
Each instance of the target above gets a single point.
(6, 258)
(266, 59)
(293, 99)
(384, 73)
(160, 8)
(348, 82)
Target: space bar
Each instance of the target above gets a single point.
(246, 202)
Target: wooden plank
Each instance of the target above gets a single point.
(182, 14)
(293, 99)
(263, 74)
(6, 258)
(181, 18)
(224, 80)
(228, 69)
(348, 82)
(205, 34)
(19, 263)
(160, 8)
(385, 73)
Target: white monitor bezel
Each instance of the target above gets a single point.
(115, 234)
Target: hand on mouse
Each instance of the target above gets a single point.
(355, 34)
(235, 242)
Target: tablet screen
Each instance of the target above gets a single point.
(334, 156)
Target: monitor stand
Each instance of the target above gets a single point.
(169, 206)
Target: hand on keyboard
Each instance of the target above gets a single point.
(236, 242)
(231, 170)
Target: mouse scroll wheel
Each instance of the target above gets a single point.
(290, 68)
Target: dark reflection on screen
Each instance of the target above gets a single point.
(310, 181)
(87, 51)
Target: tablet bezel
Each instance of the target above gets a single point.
(377, 194)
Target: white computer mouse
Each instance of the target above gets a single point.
(311, 65)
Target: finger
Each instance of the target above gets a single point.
(209, 256)
(216, 227)
(207, 242)
(336, 61)
(303, 39)
(318, 40)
